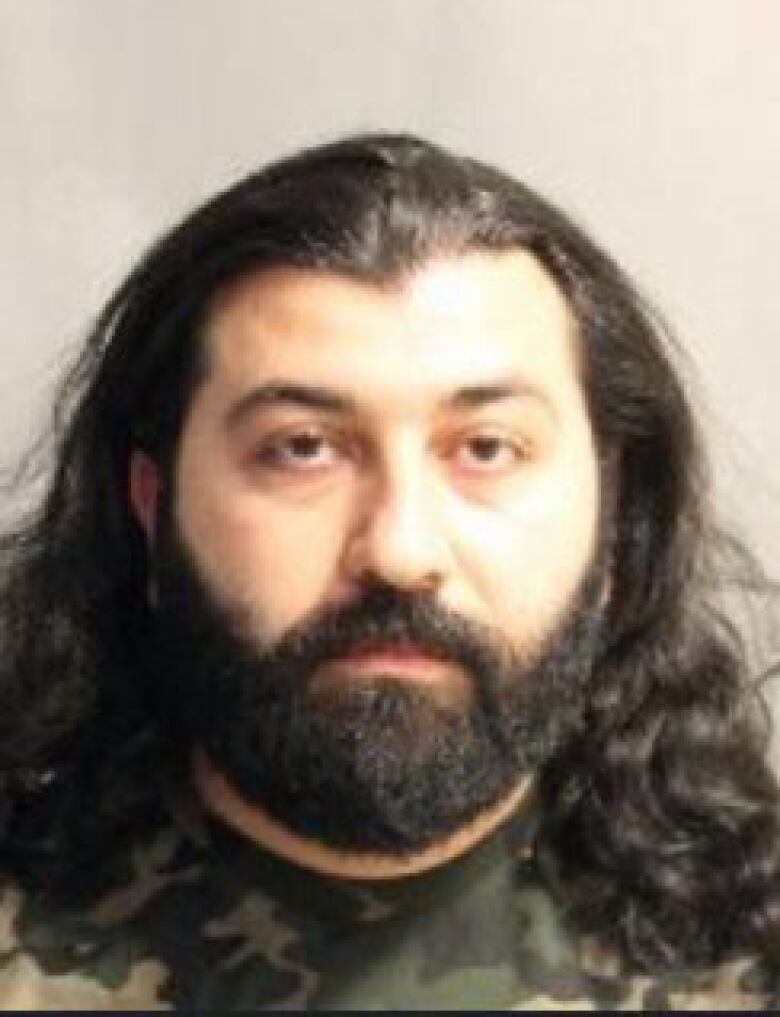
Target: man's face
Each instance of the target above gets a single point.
(478, 514)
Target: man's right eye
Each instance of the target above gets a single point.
(293, 451)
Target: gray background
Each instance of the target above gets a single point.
(655, 122)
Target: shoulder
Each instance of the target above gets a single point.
(39, 976)
(92, 950)
(738, 985)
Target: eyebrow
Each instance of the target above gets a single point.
(278, 392)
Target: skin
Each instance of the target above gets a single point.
(398, 488)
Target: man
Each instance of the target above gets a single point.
(363, 652)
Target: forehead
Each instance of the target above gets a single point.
(451, 323)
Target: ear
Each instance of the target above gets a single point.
(606, 591)
(144, 489)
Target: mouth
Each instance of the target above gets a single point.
(378, 656)
(442, 676)
(399, 651)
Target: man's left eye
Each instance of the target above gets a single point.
(488, 448)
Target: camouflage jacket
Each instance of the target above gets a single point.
(193, 917)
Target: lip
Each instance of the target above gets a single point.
(397, 658)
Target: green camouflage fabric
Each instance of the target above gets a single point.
(194, 917)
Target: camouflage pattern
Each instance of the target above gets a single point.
(195, 917)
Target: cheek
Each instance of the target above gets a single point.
(532, 555)
(271, 557)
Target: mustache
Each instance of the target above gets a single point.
(394, 619)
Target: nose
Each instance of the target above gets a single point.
(399, 536)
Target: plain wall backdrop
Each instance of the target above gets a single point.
(656, 123)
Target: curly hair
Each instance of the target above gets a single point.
(659, 826)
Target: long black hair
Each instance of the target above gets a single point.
(659, 829)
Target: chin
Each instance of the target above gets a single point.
(339, 859)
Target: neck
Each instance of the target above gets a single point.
(254, 823)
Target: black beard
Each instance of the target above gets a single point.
(378, 763)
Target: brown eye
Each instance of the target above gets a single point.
(492, 450)
(297, 450)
